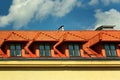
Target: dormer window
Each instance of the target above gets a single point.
(110, 50)
(15, 50)
(74, 49)
(44, 49)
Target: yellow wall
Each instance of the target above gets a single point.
(60, 75)
(60, 70)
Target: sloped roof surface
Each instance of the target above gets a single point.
(56, 35)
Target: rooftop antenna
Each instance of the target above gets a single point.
(61, 28)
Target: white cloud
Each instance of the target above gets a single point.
(22, 12)
(63, 7)
(111, 17)
(93, 2)
(105, 2)
(79, 4)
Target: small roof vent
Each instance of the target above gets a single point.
(61, 28)
(106, 27)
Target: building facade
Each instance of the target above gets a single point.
(60, 55)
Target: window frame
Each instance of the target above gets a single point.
(46, 49)
(17, 52)
(75, 49)
(110, 49)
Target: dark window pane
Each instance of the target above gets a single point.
(18, 46)
(47, 46)
(106, 46)
(113, 50)
(107, 49)
(47, 52)
(108, 53)
(112, 46)
(12, 52)
(70, 47)
(18, 52)
(76, 47)
(113, 53)
(71, 52)
(47, 49)
(12, 46)
(77, 53)
(41, 47)
(42, 52)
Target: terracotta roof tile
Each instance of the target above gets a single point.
(56, 35)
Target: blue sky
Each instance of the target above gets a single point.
(50, 14)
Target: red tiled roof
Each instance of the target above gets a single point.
(109, 35)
